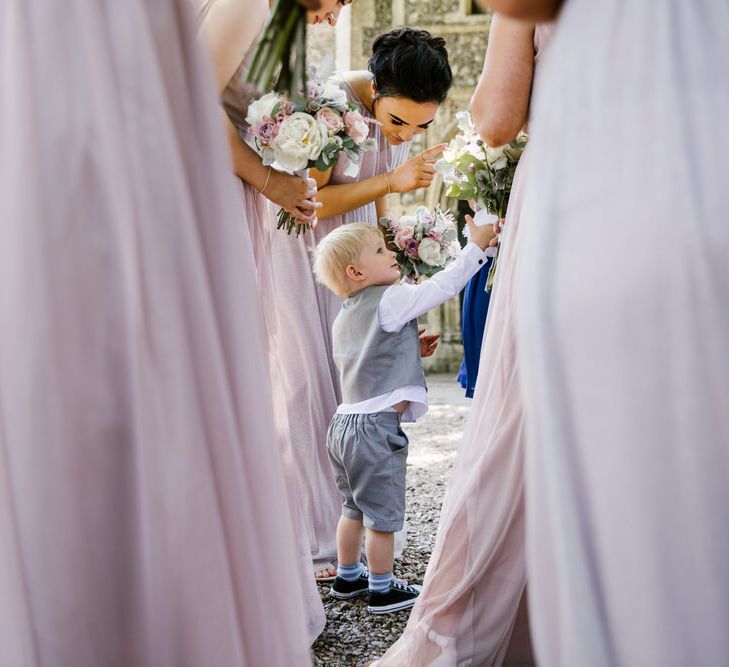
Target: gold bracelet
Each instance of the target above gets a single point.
(268, 178)
(387, 181)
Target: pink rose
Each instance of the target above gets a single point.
(402, 236)
(436, 235)
(285, 110)
(411, 248)
(356, 126)
(265, 130)
(314, 89)
(329, 120)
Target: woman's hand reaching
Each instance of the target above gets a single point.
(417, 172)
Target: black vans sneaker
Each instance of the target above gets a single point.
(399, 596)
(343, 589)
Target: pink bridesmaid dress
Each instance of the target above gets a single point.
(306, 312)
(472, 595)
(625, 338)
(256, 215)
(139, 492)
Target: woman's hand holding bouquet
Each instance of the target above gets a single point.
(312, 132)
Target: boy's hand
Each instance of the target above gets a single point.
(427, 343)
(482, 236)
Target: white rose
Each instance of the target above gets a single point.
(496, 157)
(464, 121)
(261, 108)
(408, 222)
(429, 251)
(454, 149)
(334, 93)
(454, 248)
(299, 140)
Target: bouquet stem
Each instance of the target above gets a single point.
(289, 222)
(279, 61)
(492, 270)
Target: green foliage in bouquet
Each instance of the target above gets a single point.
(473, 171)
(279, 61)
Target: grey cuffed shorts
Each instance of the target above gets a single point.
(368, 455)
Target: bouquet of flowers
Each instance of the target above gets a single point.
(296, 135)
(425, 243)
(475, 172)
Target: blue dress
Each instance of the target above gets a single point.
(473, 320)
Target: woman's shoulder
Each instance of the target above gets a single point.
(359, 82)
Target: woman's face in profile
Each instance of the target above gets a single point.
(328, 13)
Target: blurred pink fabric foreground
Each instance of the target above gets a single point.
(139, 492)
(256, 216)
(476, 577)
(306, 311)
(624, 338)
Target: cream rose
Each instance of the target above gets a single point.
(299, 140)
(464, 121)
(496, 157)
(408, 222)
(261, 108)
(429, 251)
(334, 93)
(454, 248)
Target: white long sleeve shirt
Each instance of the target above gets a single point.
(405, 302)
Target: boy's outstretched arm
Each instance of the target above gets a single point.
(402, 303)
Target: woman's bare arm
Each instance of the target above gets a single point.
(413, 174)
(500, 103)
(338, 199)
(230, 29)
(529, 10)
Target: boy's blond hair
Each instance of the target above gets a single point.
(337, 250)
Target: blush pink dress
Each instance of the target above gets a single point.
(139, 491)
(256, 215)
(476, 577)
(624, 340)
(306, 312)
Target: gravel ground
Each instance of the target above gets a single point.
(352, 636)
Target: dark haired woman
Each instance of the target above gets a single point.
(409, 78)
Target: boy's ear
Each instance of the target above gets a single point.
(353, 273)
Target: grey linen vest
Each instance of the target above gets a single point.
(371, 361)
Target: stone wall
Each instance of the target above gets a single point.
(465, 30)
